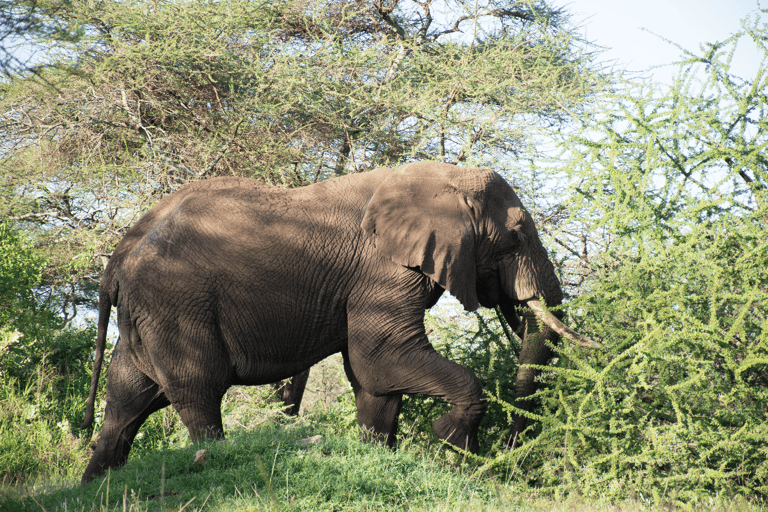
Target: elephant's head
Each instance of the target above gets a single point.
(468, 231)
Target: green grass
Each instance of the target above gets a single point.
(272, 468)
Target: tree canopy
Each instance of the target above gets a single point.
(134, 99)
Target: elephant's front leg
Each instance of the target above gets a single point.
(377, 416)
(389, 355)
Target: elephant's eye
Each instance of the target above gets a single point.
(518, 236)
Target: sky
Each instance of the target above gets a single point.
(630, 29)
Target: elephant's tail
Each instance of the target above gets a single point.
(105, 308)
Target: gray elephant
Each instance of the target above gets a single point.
(230, 281)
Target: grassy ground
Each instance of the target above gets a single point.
(282, 466)
(315, 462)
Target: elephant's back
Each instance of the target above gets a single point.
(240, 212)
(158, 216)
(222, 246)
(238, 238)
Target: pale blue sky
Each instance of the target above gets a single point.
(619, 25)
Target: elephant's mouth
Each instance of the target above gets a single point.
(556, 325)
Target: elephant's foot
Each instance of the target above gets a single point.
(98, 466)
(459, 426)
(111, 452)
(377, 417)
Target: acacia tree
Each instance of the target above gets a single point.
(137, 98)
(669, 208)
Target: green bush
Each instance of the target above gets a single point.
(36, 432)
(44, 372)
(672, 187)
(21, 269)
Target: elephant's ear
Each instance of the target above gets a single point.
(418, 217)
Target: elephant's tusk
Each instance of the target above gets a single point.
(559, 327)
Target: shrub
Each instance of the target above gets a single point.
(671, 192)
(44, 372)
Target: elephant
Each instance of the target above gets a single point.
(230, 281)
(291, 391)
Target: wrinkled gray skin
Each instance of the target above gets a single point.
(230, 281)
(291, 391)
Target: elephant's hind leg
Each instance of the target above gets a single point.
(196, 387)
(131, 398)
(291, 392)
(202, 416)
(188, 357)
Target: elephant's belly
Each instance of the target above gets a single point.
(265, 360)
(268, 372)
(276, 325)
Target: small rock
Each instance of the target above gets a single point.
(310, 440)
(201, 457)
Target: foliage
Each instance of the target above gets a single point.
(30, 330)
(41, 393)
(43, 369)
(36, 431)
(670, 189)
(21, 268)
(137, 98)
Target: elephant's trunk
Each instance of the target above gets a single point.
(538, 328)
(527, 278)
